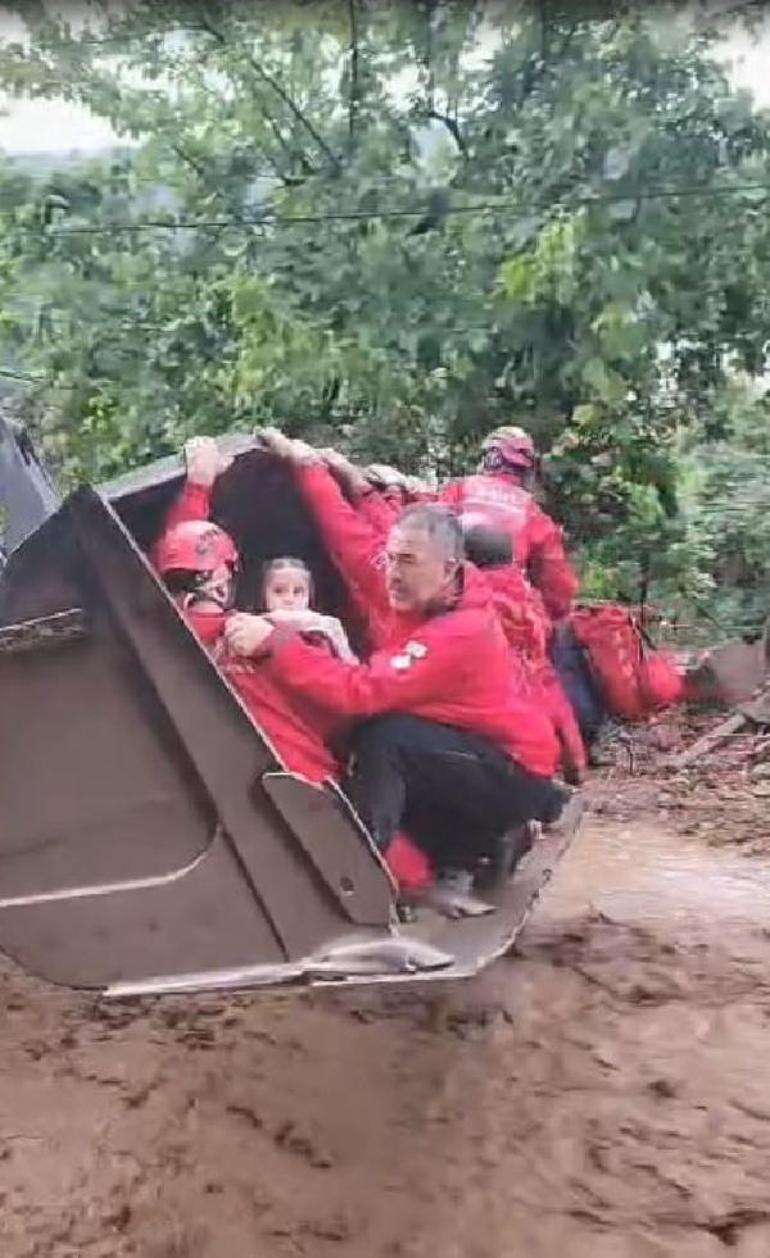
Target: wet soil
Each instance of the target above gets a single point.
(604, 1093)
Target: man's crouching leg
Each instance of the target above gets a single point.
(452, 791)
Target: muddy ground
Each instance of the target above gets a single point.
(605, 1093)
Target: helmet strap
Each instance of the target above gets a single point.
(496, 464)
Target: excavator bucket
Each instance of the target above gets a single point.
(27, 492)
(151, 840)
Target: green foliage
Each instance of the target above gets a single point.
(727, 503)
(577, 301)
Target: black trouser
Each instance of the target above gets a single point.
(453, 792)
(569, 660)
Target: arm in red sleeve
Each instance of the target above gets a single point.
(390, 682)
(355, 546)
(451, 495)
(551, 571)
(193, 503)
(380, 511)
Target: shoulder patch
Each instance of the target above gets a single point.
(417, 650)
(401, 662)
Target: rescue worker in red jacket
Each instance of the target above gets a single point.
(519, 605)
(445, 747)
(499, 495)
(201, 575)
(528, 630)
(198, 561)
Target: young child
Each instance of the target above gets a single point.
(287, 583)
(287, 596)
(198, 562)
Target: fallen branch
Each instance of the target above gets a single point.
(755, 713)
(709, 742)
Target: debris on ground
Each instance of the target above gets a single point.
(692, 768)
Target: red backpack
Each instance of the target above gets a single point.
(635, 679)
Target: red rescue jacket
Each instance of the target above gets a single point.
(193, 503)
(300, 732)
(453, 667)
(524, 618)
(500, 502)
(527, 627)
(380, 508)
(635, 680)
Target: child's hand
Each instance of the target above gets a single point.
(334, 631)
(382, 474)
(302, 619)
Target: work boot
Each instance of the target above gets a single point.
(509, 850)
(566, 815)
(452, 895)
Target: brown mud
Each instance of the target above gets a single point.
(604, 1093)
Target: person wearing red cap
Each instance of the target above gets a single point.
(444, 745)
(379, 496)
(499, 495)
(198, 563)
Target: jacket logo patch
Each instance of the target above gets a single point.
(401, 662)
(417, 650)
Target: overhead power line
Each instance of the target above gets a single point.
(274, 218)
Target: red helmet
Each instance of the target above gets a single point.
(513, 446)
(195, 546)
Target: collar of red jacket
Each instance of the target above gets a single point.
(472, 591)
(208, 625)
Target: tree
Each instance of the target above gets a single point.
(570, 234)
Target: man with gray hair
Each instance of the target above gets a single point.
(444, 747)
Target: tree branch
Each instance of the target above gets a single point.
(453, 127)
(428, 58)
(353, 100)
(189, 160)
(544, 31)
(277, 87)
(296, 111)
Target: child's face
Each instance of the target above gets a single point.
(287, 590)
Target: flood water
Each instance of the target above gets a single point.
(644, 873)
(602, 1094)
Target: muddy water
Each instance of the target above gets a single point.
(642, 873)
(603, 1094)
